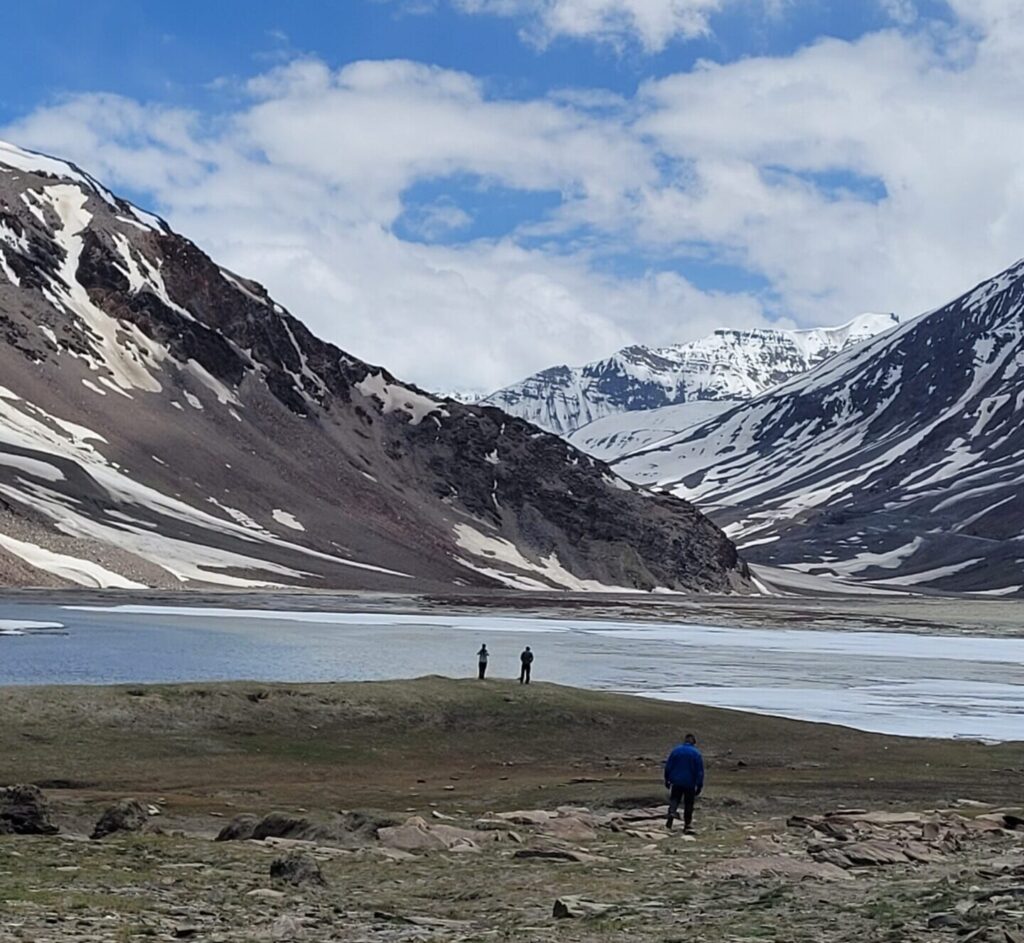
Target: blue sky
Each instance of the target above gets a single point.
(175, 52)
(534, 181)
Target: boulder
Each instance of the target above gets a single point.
(880, 818)
(24, 811)
(345, 830)
(527, 817)
(281, 825)
(570, 828)
(999, 821)
(780, 866)
(286, 928)
(864, 854)
(126, 815)
(240, 828)
(297, 868)
(575, 906)
(418, 835)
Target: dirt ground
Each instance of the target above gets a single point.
(462, 754)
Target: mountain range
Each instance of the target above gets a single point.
(899, 462)
(727, 365)
(164, 422)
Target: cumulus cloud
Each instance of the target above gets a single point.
(876, 174)
(303, 186)
(780, 147)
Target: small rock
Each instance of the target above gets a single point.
(266, 893)
(573, 906)
(240, 828)
(297, 868)
(286, 928)
(126, 815)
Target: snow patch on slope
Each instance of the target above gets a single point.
(81, 572)
(285, 519)
(394, 396)
(127, 367)
(535, 576)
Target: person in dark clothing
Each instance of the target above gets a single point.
(482, 661)
(525, 661)
(684, 778)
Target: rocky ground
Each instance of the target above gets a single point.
(382, 812)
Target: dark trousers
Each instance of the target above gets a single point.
(524, 674)
(686, 796)
(483, 669)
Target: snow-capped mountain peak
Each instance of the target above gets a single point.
(728, 364)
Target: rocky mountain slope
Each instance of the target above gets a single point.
(899, 462)
(164, 422)
(727, 365)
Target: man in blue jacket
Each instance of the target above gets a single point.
(684, 776)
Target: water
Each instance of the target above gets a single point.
(912, 684)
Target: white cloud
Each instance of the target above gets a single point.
(903, 12)
(433, 220)
(651, 22)
(761, 134)
(761, 163)
(301, 189)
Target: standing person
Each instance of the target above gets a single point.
(684, 777)
(482, 661)
(525, 661)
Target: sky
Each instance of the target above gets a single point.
(468, 191)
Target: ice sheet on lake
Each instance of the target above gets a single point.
(926, 708)
(23, 626)
(474, 623)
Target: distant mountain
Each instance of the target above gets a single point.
(900, 461)
(726, 365)
(163, 422)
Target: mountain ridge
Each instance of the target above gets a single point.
(728, 364)
(899, 462)
(164, 422)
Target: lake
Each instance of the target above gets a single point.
(890, 682)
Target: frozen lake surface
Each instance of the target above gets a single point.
(921, 685)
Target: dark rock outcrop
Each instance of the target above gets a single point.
(126, 815)
(25, 811)
(345, 830)
(297, 868)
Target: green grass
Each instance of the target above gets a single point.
(370, 743)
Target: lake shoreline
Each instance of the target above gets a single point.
(956, 685)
